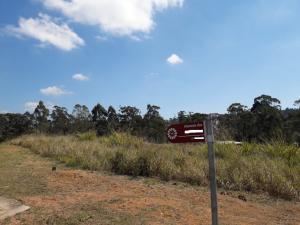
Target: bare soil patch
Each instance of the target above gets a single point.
(71, 196)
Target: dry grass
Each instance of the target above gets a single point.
(18, 178)
(70, 196)
(273, 168)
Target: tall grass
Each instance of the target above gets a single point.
(273, 168)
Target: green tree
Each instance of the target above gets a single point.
(81, 118)
(154, 124)
(297, 103)
(30, 120)
(268, 117)
(240, 120)
(113, 119)
(131, 120)
(40, 117)
(292, 124)
(236, 108)
(13, 125)
(99, 117)
(3, 127)
(182, 117)
(60, 120)
(196, 117)
(245, 127)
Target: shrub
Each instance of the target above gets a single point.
(88, 136)
(273, 168)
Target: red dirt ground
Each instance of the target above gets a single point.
(157, 202)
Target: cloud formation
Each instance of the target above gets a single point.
(48, 31)
(30, 106)
(80, 77)
(118, 17)
(174, 59)
(54, 91)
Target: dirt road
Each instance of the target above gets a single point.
(70, 196)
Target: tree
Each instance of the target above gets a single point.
(81, 118)
(182, 117)
(99, 117)
(13, 125)
(3, 127)
(245, 127)
(265, 102)
(60, 120)
(238, 121)
(268, 117)
(40, 116)
(131, 120)
(236, 108)
(112, 118)
(152, 112)
(292, 124)
(154, 124)
(196, 117)
(29, 121)
(297, 103)
(292, 127)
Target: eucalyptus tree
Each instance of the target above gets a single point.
(60, 120)
(154, 124)
(113, 119)
(268, 117)
(81, 118)
(99, 118)
(40, 118)
(131, 119)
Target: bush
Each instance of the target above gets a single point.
(88, 136)
(273, 168)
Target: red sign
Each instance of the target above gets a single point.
(184, 133)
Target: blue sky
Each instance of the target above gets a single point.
(192, 55)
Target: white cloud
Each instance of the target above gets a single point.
(30, 106)
(118, 17)
(54, 91)
(80, 77)
(174, 59)
(47, 31)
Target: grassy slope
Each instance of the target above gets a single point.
(25, 176)
(274, 169)
(18, 178)
(77, 197)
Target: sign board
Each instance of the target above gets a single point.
(197, 132)
(185, 133)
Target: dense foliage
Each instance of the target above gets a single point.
(263, 122)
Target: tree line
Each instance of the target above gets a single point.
(264, 121)
(103, 121)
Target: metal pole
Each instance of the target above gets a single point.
(212, 171)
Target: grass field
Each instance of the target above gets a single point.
(272, 168)
(70, 196)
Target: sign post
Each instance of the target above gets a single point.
(212, 171)
(193, 133)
